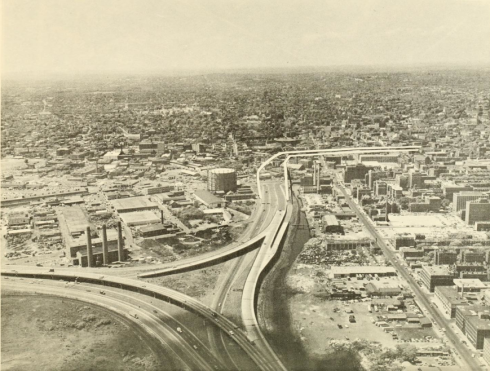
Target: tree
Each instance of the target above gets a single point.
(404, 201)
(191, 213)
(407, 353)
(445, 203)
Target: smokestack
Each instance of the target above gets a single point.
(105, 250)
(386, 218)
(90, 254)
(120, 242)
(161, 216)
(318, 178)
(314, 173)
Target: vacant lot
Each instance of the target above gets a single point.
(48, 333)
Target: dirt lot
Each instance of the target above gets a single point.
(47, 333)
(199, 284)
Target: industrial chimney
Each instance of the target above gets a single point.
(105, 249)
(90, 254)
(120, 242)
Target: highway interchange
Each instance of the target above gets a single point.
(254, 251)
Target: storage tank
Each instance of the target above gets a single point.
(222, 179)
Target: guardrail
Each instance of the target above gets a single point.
(158, 292)
(212, 260)
(266, 255)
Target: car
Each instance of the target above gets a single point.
(195, 347)
(231, 332)
(179, 330)
(339, 326)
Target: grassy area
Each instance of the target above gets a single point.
(49, 333)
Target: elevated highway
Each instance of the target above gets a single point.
(250, 240)
(340, 151)
(161, 293)
(267, 253)
(152, 319)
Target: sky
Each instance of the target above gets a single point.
(63, 36)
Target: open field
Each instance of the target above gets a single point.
(48, 333)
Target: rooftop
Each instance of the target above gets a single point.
(133, 203)
(363, 270)
(207, 197)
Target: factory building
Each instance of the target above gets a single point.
(101, 251)
(331, 224)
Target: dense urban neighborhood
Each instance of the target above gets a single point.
(364, 197)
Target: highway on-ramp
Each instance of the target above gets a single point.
(185, 346)
(266, 210)
(160, 293)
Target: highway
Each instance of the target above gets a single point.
(339, 151)
(151, 318)
(246, 243)
(265, 256)
(158, 292)
(265, 212)
(471, 363)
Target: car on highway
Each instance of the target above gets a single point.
(231, 332)
(195, 347)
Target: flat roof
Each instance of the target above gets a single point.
(76, 220)
(437, 270)
(140, 202)
(153, 227)
(451, 295)
(362, 270)
(469, 283)
(207, 197)
(330, 219)
(142, 217)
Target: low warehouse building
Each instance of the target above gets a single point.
(139, 218)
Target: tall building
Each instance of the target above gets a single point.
(358, 171)
(434, 276)
(460, 199)
(477, 211)
(445, 257)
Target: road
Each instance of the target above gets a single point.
(265, 212)
(193, 305)
(153, 319)
(266, 254)
(471, 364)
(262, 214)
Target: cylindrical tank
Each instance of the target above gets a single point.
(222, 179)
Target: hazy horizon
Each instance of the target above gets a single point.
(124, 36)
